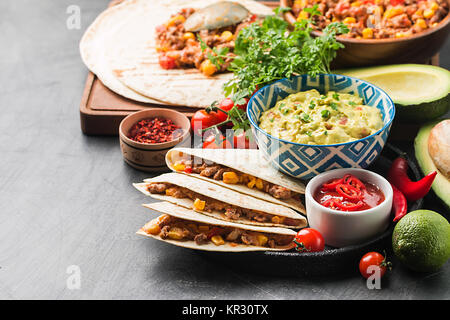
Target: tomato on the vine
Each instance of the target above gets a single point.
(309, 240)
(242, 141)
(371, 260)
(202, 120)
(216, 142)
(167, 62)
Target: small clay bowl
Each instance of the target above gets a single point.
(418, 48)
(151, 157)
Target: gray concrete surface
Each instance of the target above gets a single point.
(67, 203)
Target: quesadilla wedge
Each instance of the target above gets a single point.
(218, 202)
(242, 170)
(185, 228)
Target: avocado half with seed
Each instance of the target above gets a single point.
(441, 185)
(420, 92)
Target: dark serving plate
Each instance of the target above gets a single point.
(331, 260)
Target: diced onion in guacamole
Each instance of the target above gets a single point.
(311, 118)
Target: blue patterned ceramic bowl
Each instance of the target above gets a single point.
(306, 161)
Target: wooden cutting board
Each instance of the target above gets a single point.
(102, 110)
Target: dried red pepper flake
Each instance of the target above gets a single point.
(154, 130)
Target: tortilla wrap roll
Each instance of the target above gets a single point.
(257, 177)
(186, 228)
(218, 202)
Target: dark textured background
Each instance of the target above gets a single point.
(66, 199)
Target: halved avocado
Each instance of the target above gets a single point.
(420, 92)
(441, 185)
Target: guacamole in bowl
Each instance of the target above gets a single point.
(309, 117)
(304, 138)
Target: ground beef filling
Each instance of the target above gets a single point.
(230, 176)
(203, 203)
(183, 48)
(168, 227)
(376, 19)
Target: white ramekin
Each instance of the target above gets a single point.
(340, 228)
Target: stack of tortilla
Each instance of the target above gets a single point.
(119, 48)
(263, 215)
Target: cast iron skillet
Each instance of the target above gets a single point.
(331, 260)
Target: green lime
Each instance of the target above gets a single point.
(421, 240)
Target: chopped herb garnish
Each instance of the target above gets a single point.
(336, 96)
(312, 105)
(325, 113)
(325, 132)
(285, 111)
(309, 134)
(334, 106)
(305, 117)
(352, 103)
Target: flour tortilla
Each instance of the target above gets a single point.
(93, 47)
(248, 161)
(132, 56)
(215, 191)
(183, 213)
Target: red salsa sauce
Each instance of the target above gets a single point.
(154, 130)
(349, 194)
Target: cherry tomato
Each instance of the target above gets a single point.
(167, 62)
(373, 259)
(220, 143)
(309, 240)
(242, 141)
(202, 120)
(226, 105)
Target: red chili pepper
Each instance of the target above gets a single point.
(354, 182)
(188, 170)
(348, 192)
(412, 190)
(349, 206)
(153, 130)
(332, 185)
(399, 204)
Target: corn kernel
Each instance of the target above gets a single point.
(301, 3)
(203, 228)
(356, 4)
(252, 182)
(392, 12)
(199, 204)
(226, 36)
(179, 166)
(230, 177)
(163, 218)
(434, 6)
(302, 15)
(428, 13)
(276, 219)
(208, 68)
(217, 240)
(262, 239)
(367, 33)
(151, 227)
(172, 21)
(400, 35)
(175, 233)
(188, 35)
(419, 13)
(259, 184)
(170, 191)
(421, 23)
(349, 20)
